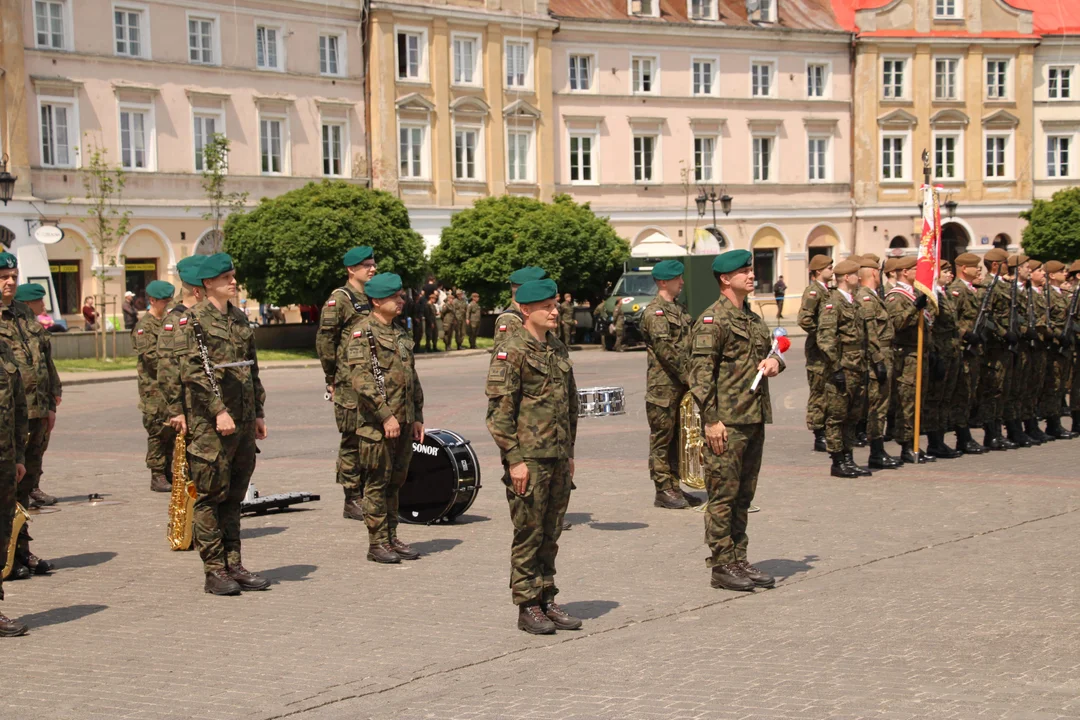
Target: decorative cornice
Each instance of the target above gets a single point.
(414, 101)
(898, 118)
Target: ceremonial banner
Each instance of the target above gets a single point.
(928, 267)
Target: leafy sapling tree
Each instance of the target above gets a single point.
(222, 203)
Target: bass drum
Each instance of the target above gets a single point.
(444, 478)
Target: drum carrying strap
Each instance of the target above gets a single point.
(376, 369)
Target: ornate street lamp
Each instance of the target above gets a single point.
(7, 181)
(950, 207)
(725, 204)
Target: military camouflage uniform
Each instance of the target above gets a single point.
(384, 462)
(666, 328)
(727, 344)
(344, 308)
(813, 299)
(997, 360)
(461, 312)
(841, 338)
(937, 411)
(1036, 346)
(506, 325)
(967, 300)
(449, 321)
(1057, 357)
(474, 314)
(532, 416)
(879, 339)
(904, 316)
(619, 319)
(220, 465)
(13, 433)
(566, 323)
(1017, 374)
(160, 436)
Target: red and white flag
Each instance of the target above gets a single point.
(928, 266)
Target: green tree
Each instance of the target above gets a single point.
(1053, 229)
(484, 244)
(288, 249)
(222, 203)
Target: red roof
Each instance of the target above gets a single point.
(1051, 17)
(794, 14)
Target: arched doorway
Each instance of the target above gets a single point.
(1001, 240)
(898, 241)
(7, 237)
(954, 241)
(766, 246)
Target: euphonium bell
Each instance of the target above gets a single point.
(691, 440)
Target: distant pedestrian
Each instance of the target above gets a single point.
(779, 290)
(90, 314)
(131, 315)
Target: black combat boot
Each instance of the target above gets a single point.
(849, 458)
(907, 454)
(881, 460)
(1007, 443)
(731, 577)
(967, 444)
(819, 441)
(1016, 434)
(938, 448)
(532, 620)
(1076, 424)
(839, 469)
(1031, 429)
(1056, 430)
(1044, 435)
(860, 434)
(991, 441)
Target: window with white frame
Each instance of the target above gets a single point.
(702, 10)
(518, 64)
(581, 69)
(817, 159)
(817, 77)
(136, 137)
(762, 151)
(644, 7)
(272, 145)
(411, 55)
(761, 79)
(767, 11)
(519, 156)
(330, 54)
(704, 158)
(333, 149)
(703, 71)
(582, 168)
(1057, 156)
(893, 157)
(643, 75)
(947, 163)
(644, 158)
(201, 40)
(128, 29)
(49, 24)
(945, 86)
(466, 57)
(997, 157)
(57, 129)
(206, 125)
(412, 152)
(947, 9)
(466, 153)
(1059, 83)
(997, 79)
(268, 51)
(893, 77)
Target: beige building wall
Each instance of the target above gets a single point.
(1056, 151)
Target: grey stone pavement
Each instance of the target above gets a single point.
(946, 591)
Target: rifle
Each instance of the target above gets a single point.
(1014, 316)
(1070, 319)
(1032, 335)
(979, 328)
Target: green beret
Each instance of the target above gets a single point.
(731, 261)
(214, 265)
(382, 285)
(667, 270)
(160, 290)
(188, 270)
(527, 274)
(29, 291)
(537, 291)
(357, 255)
(8, 261)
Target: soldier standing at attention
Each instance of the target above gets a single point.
(473, 317)
(532, 416)
(144, 340)
(619, 320)
(841, 338)
(967, 299)
(168, 371)
(879, 338)
(13, 433)
(1038, 337)
(567, 323)
(222, 411)
(666, 328)
(905, 304)
(944, 370)
(1058, 355)
(431, 323)
(729, 344)
(382, 371)
(448, 313)
(1019, 348)
(813, 298)
(345, 307)
(512, 320)
(1074, 388)
(997, 360)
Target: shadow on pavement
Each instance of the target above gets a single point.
(57, 616)
(578, 518)
(783, 569)
(590, 609)
(618, 525)
(289, 573)
(465, 519)
(82, 560)
(430, 547)
(252, 533)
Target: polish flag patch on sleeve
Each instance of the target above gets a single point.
(956, 293)
(707, 320)
(502, 328)
(358, 333)
(140, 332)
(500, 356)
(828, 306)
(813, 293)
(168, 326)
(659, 312)
(331, 303)
(866, 299)
(183, 322)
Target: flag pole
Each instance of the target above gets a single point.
(919, 342)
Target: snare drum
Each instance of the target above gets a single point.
(444, 478)
(600, 401)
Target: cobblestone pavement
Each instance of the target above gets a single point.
(946, 591)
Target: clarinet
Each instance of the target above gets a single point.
(204, 355)
(376, 369)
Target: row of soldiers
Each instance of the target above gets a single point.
(999, 351)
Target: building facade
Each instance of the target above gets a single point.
(1057, 102)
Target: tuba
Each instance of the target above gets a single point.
(20, 519)
(182, 499)
(691, 440)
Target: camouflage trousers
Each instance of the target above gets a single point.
(905, 363)
(1033, 384)
(160, 441)
(1016, 384)
(474, 330)
(349, 475)
(843, 411)
(385, 466)
(993, 373)
(937, 411)
(967, 385)
(7, 507)
(567, 333)
(1074, 388)
(731, 481)
(36, 445)
(450, 332)
(878, 394)
(221, 486)
(1052, 402)
(815, 405)
(537, 517)
(664, 448)
(620, 333)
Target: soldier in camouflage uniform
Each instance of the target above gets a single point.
(1058, 355)
(1017, 373)
(944, 369)
(511, 320)
(461, 315)
(144, 340)
(532, 416)
(391, 414)
(906, 306)
(619, 320)
(1074, 371)
(567, 323)
(813, 299)
(222, 413)
(1038, 337)
(967, 299)
(729, 345)
(345, 307)
(168, 371)
(13, 432)
(473, 316)
(879, 337)
(448, 313)
(997, 359)
(665, 326)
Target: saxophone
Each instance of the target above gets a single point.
(691, 440)
(182, 500)
(20, 519)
